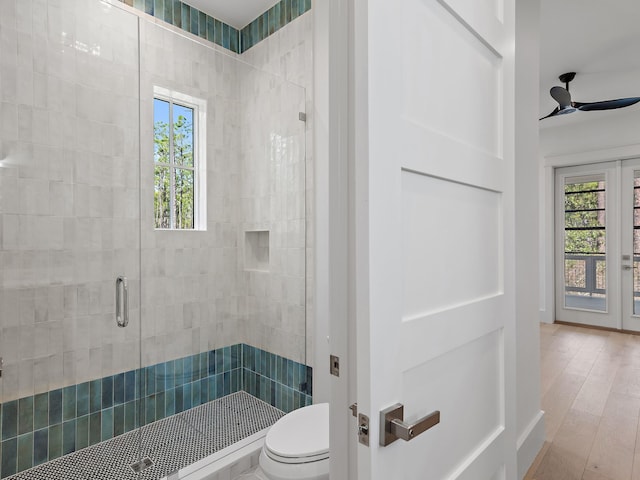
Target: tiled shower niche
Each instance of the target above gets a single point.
(49, 425)
(256, 250)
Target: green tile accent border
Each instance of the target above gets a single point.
(191, 20)
(281, 14)
(198, 23)
(46, 426)
(283, 383)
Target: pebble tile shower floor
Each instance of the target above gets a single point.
(171, 443)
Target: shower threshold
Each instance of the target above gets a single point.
(170, 444)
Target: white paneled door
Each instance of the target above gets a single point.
(434, 113)
(598, 244)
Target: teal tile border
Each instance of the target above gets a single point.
(194, 21)
(191, 20)
(281, 14)
(46, 426)
(281, 382)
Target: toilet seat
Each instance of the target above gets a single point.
(274, 470)
(301, 436)
(296, 460)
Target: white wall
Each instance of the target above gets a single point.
(530, 425)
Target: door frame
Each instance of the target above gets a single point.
(333, 328)
(546, 188)
(610, 318)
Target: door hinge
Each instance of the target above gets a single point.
(1, 366)
(334, 367)
(302, 116)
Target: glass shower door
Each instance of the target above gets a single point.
(69, 227)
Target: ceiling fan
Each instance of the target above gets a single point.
(565, 105)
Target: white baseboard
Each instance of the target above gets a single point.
(545, 317)
(530, 443)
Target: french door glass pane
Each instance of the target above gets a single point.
(585, 281)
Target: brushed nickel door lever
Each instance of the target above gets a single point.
(393, 427)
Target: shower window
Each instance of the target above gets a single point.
(178, 161)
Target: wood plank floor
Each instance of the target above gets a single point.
(591, 398)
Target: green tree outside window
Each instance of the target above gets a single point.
(175, 174)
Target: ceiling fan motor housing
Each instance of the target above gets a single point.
(567, 77)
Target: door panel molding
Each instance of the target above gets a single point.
(466, 255)
(473, 370)
(431, 336)
(485, 25)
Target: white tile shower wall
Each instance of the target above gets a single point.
(288, 53)
(272, 199)
(69, 199)
(196, 294)
(189, 279)
(68, 191)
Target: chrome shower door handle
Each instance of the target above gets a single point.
(122, 302)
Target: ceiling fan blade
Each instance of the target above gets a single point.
(552, 114)
(562, 96)
(607, 104)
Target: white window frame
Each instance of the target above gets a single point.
(199, 107)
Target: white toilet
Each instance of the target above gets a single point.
(297, 446)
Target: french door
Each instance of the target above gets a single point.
(598, 244)
(630, 241)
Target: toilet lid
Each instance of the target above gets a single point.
(302, 435)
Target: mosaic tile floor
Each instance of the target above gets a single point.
(171, 444)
